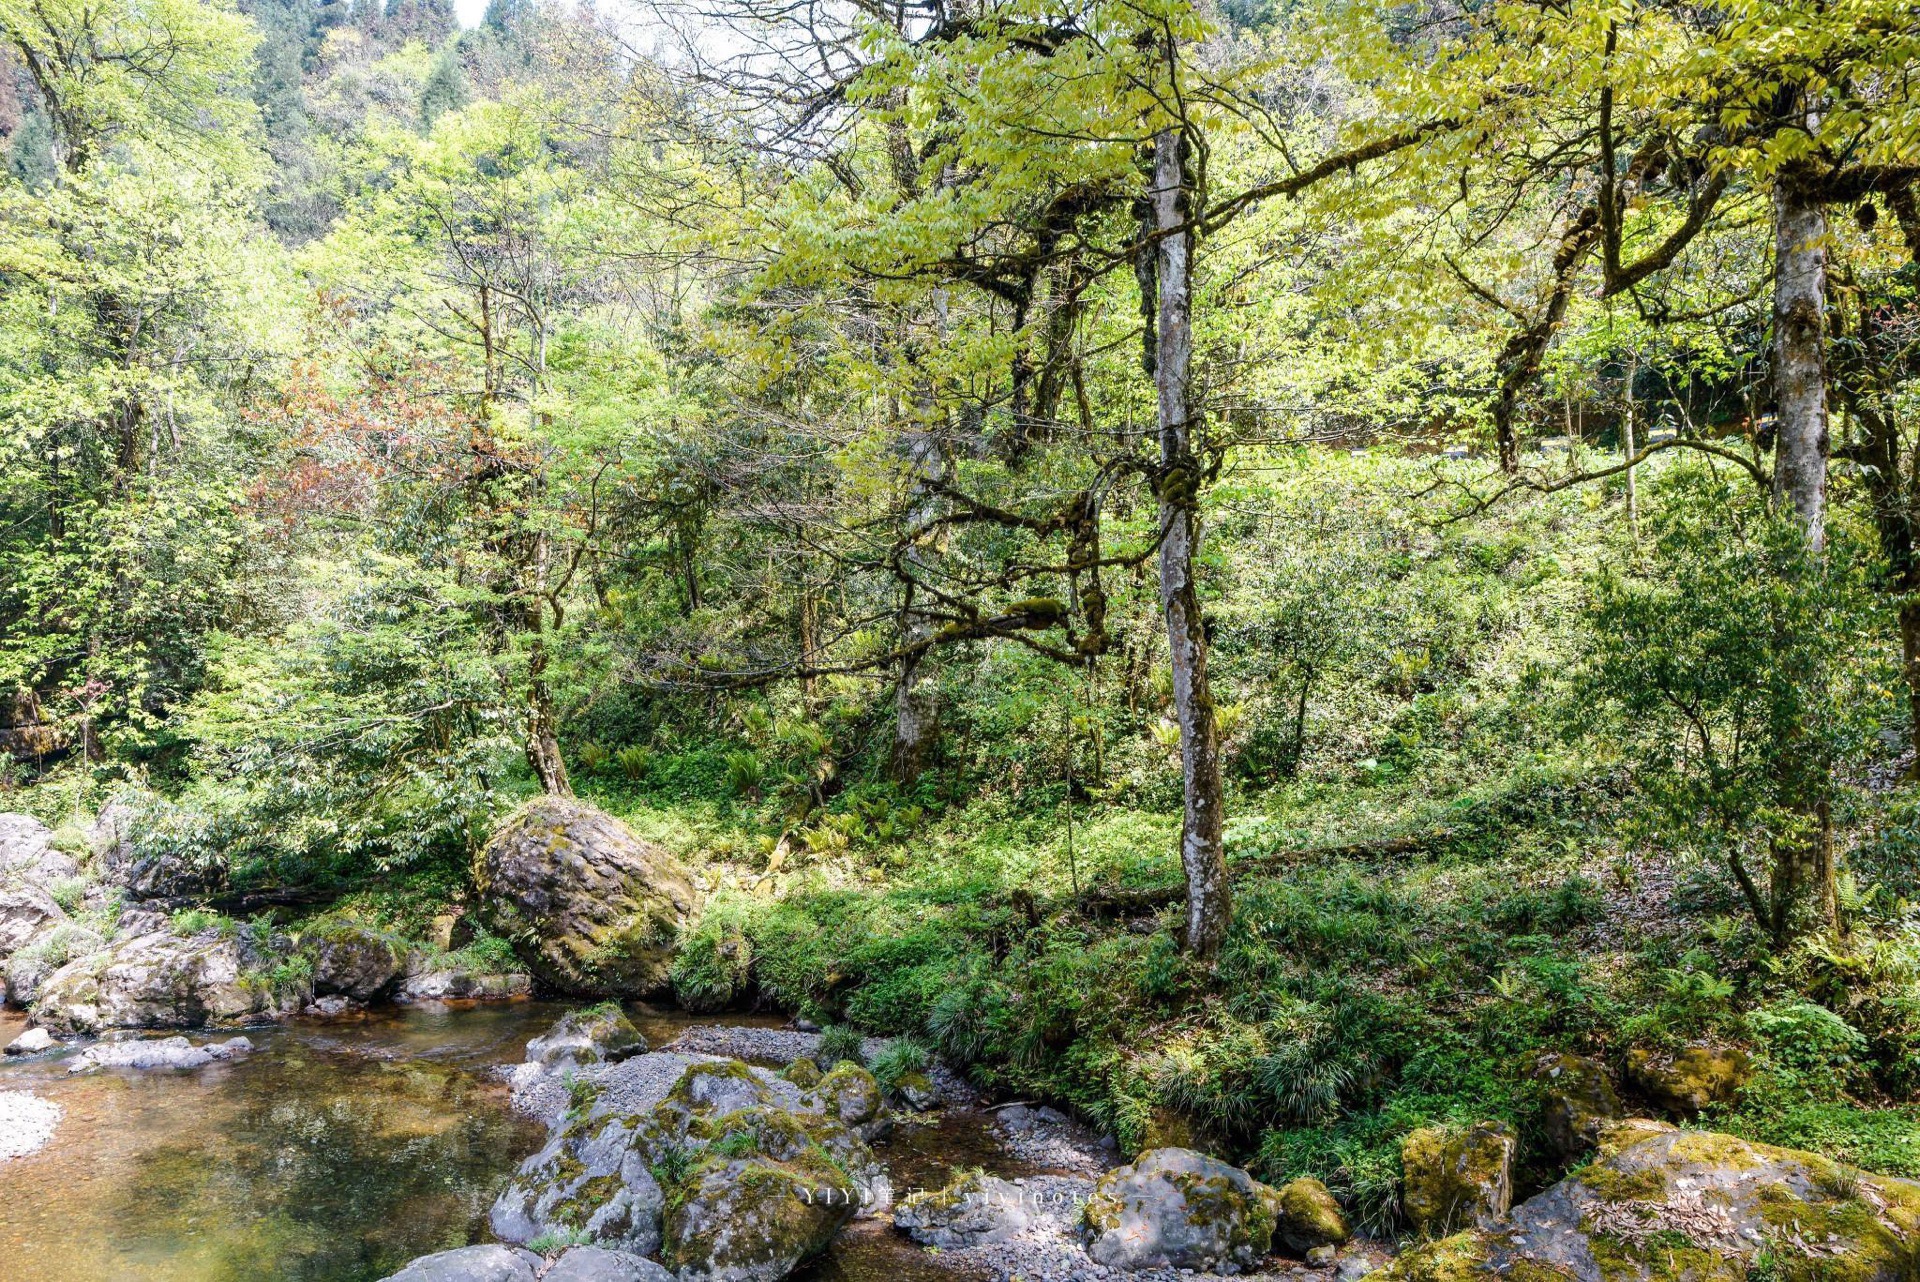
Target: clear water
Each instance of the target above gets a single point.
(335, 1153)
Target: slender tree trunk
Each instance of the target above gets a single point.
(916, 708)
(1800, 357)
(1202, 846)
(1802, 875)
(1626, 431)
(543, 740)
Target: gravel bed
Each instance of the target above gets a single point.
(1048, 1138)
(27, 1122)
(630, 1086)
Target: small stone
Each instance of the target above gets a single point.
(1352, 1269)
(1320, 1256)
(32, 1042)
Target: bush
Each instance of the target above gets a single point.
(902, 1057)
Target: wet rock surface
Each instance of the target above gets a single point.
(975, 1210)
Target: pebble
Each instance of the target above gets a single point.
(27, 1122)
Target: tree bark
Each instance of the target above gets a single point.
(1802, 873)
(543, 740)
(916, 709)
(1800, 357)
(1202, 846)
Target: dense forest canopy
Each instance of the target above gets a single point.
(1040, 464)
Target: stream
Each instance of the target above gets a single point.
(338, 1151)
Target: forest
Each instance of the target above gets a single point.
(1327, 589)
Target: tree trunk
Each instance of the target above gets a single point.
(1800, 357)
(1202, 847)
(1626, 431)
(1802, 875)
(916, 709)
(543, 742)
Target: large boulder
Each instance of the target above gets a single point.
(160, 980)
(472, 1264)
(1577, 1101)
(598, 1034)
(1455, 1178)
(727, 1171)
(28, 853)
(1310, 1218)
(352, 960)
(591, 908)
(1684, 1083)
(974, 1210)
(27, 912)
(1662, 1205)
(1177, 1208)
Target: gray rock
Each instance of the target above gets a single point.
(351, 960)
(333, 1007)
(165, 1052)
(448, 983)
(1353, 1268)
(157, 981)
(730, 1171)
(1177, 1208)
(592, 909)
(27, 853)
(975, 1210)
(27, 912)
(1578, 1101)
(596, 1035)
(596, 1264)
(472, 1264)
(32, 1042)
(1320, 1256)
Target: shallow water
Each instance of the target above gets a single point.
(336, 1152)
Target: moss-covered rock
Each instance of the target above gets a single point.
(590, 908)
(1454, 1178)
(735, 1173)
(1663, 1205)
(1310, 1217)
(1177, 1208)
(162, 980)
(1684, 1083)
(598, 1034)
(755, 1219)
(1577, 1099)
(802, 1073)
(352, 960)
(850, 1094)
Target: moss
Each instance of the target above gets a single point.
(1611, 1184)
(1664, 1258)
(1460, 1258)
(1309, 1216)
(1713, 1149)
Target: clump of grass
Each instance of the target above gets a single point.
(838, 1044)
(902, 1058)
